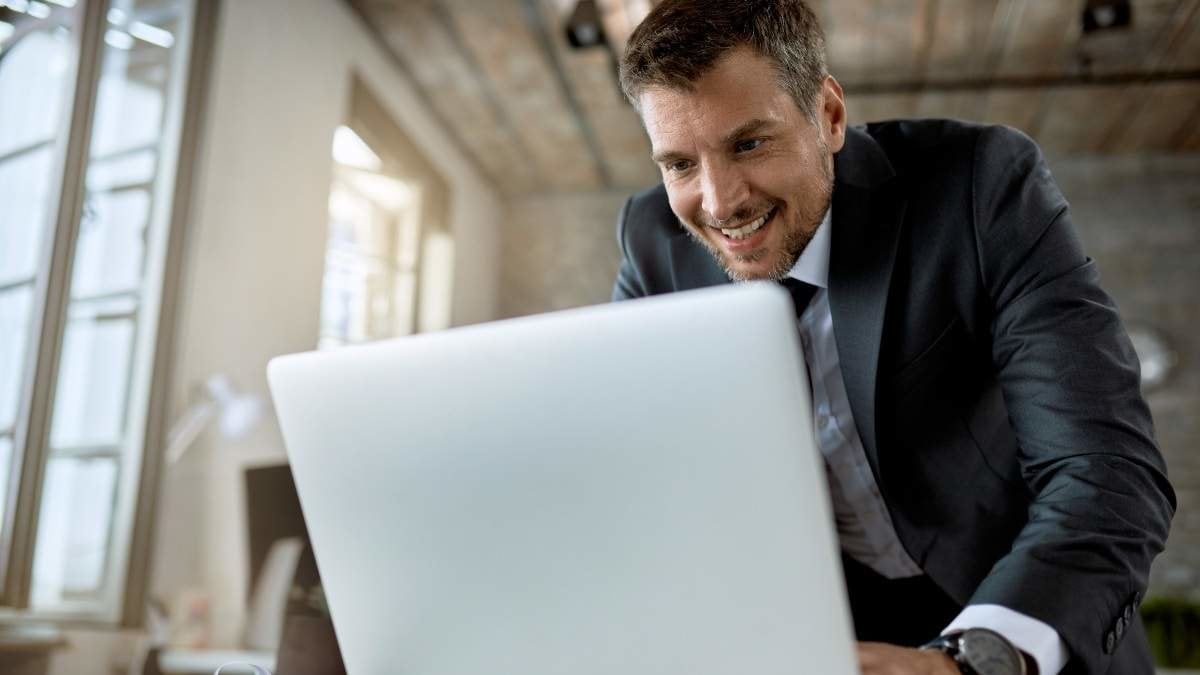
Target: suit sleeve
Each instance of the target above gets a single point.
(629, 283)
(1101, 504)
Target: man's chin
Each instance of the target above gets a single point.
(766, 267)
(768, 263)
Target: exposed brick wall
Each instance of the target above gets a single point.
(559, 251)
(1139, 218)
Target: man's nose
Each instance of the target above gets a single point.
(724, 190)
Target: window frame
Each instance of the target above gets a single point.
(402, 160)
(133, 522)
(389, 261)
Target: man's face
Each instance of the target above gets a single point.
(747, 173)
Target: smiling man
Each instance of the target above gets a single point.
(998, 491)
(745, 171)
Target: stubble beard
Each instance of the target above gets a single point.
(795, 240)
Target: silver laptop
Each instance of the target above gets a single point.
(629, 488)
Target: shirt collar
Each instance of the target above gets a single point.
(812, 266)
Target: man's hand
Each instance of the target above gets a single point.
(877, 658)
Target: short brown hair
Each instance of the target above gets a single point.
(681, 40)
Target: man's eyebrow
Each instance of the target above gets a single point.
(666, 156)
(745, 129)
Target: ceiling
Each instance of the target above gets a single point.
(539, 116)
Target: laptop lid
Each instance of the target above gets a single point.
(627, 488)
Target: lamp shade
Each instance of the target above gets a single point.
(238, 413)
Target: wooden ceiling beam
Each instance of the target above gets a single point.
(899, 39)
(848, 39)
(1042, 36)
(1074, 124)
(1016, 82)
(509, 129)
(540, 30)
(1004, 17)
(1179, 47)
(1163, 114)
(1189, 140)
(500, 44)
(413, 34)
(538, 116)
(591, 75)
(1135, 48)
(371, 26)
(959, 38)
(1023, 109)
(879, 38)
(861, 109)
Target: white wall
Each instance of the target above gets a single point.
(251, 289)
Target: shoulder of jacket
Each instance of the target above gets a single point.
(647, 215)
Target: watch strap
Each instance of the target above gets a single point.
(948, 645)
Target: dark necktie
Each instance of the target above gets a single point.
(801, 293)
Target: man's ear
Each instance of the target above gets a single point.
(832, 115)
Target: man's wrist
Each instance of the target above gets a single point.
(981, 651)
(947, 662)
(1032, 636)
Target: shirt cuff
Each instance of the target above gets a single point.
(1028, 634)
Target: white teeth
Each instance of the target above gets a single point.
(746, 230)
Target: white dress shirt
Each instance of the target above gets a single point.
(864, 526)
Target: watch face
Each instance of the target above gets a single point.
(989, 654)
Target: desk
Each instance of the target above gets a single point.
(205, 661)
(26, 649)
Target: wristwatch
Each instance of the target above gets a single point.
(979, 651)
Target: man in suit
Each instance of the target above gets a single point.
(998, 490)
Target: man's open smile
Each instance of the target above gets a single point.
(743, 232)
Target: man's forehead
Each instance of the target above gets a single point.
(673, 116)
(739, 88)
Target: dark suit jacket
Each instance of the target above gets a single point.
(993, 386)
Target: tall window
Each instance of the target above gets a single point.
(389, 259)
(371, 258)
(37, 63)
(91, 111)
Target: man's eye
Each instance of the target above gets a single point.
(679, 166)
(748, 145)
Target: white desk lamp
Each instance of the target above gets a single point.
(236, 414)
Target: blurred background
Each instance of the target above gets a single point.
(189, 188)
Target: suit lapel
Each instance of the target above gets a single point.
(868, 213)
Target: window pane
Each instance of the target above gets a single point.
(73, 528)
(34, 86)
(105, 364)
(357, 224)
(111, 244)
(89, 406)
(122, 171)
(131, 98)
(14, 333)
(373, 248)
(355, 302)
(24, 211)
